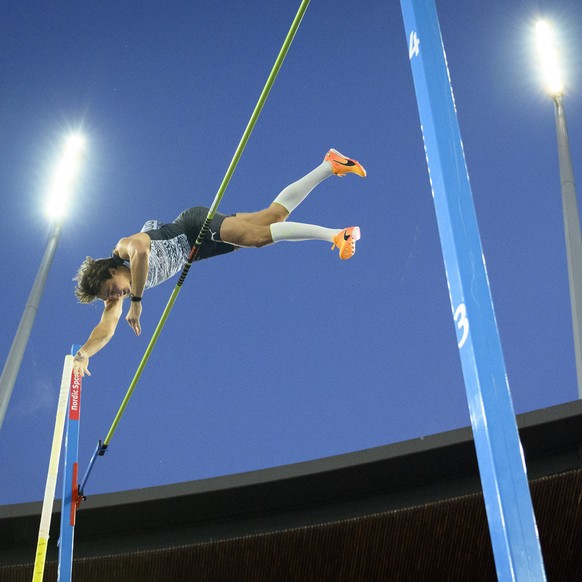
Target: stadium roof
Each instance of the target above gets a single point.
(407, 511)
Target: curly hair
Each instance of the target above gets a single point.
(90, 275)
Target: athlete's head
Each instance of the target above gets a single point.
(90, 276)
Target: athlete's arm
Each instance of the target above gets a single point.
(136, 249)
(100, 335)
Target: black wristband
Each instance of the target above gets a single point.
(135, 299)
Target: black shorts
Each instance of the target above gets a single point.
(190, 223)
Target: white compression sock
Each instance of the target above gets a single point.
(294, 194)
(297, 231)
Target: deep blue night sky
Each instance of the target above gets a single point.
(286, 353)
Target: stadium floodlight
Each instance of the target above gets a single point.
(64, 177)
(549, 60)
(548, 54)
(58, 201)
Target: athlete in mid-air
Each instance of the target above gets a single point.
(160, 251)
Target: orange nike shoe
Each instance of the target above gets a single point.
(341, 165)
(345, 241)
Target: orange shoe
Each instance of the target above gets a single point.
(342, 165)
(345, 241)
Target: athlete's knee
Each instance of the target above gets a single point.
(260, 236)
(277, 212)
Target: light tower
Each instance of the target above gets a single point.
(57, 202)
(554, 85)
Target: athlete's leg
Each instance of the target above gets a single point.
(289, 198)
(238, 231)
(294, 194)
(345, 239)
(333, 163)
(242, 233)
(257, 229)
(251, 229)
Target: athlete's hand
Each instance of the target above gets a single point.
(81, 364)
(133, 317)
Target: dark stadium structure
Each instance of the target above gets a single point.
(407, 511)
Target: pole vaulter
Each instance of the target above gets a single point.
(102, 445)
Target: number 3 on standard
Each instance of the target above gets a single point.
(462, 323)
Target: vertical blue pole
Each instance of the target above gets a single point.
(510, 514)
(70, 479)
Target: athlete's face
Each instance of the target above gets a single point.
(118, 287)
